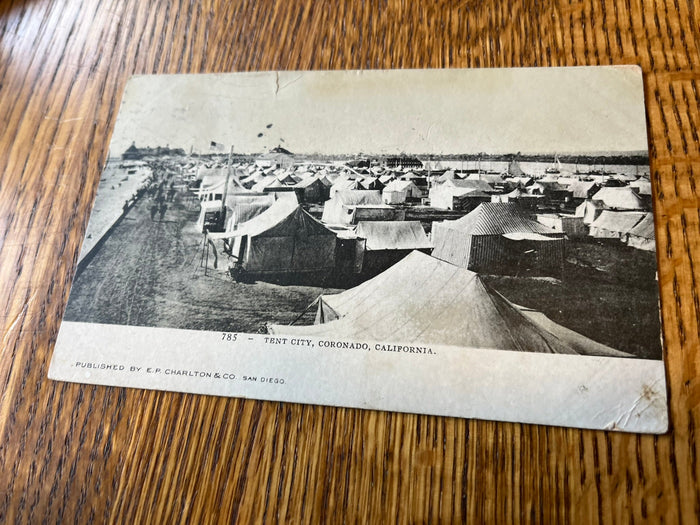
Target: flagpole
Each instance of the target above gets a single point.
(228, 177)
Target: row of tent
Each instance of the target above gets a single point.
(272, 234)
(467, 194)
(210, 183)
(447, 193)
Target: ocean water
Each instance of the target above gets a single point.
(116, 186)
(538, 169)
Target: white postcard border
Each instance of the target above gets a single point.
(562, 390)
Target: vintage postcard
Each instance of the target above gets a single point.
(469, 243)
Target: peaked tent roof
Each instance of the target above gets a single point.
(620, 198)
(266, 182)
(246, 206)
(480, 185)
(393, 235)
(400, 185)
(214, 180)
(644, 228)
(343, 183)
(581, 188)
(642, 185)
(358, 197)
(310, 181)
(497, 218)
(619, 221)
(424, 300)
(275, 215)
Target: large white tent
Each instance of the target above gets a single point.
(424, 300)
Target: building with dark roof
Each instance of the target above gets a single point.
(404, 162)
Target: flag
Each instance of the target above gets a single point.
(215, 146)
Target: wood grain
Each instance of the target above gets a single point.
(80, 453)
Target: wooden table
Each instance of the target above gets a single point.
(78, 453)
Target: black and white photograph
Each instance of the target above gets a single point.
(439, 236)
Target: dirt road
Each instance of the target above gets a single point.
(148, 273)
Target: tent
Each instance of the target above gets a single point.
(589, 210)
(642, 185)
(214, 180)
(253, 178)
(512, 196)
(567, 181)
(642, 235)
(245, 206)
(393, 235)
(311, 189)
(521, 182)
(455, 194)
(571, 225)
(622, 198)
(344, 183)
(282, 240)
(397, 191)
(266, 182)
(499, 238)
(448, 197)
(519, 196)
(480, 185)
(422, 300)
(447, 175)
(387, 242)
(615, 224)
(352, 206)
(583, 189)
(371, 183)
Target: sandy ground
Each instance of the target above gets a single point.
(149, 273)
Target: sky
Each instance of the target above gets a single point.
(527, 110)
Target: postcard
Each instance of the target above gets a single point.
(467, 243)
